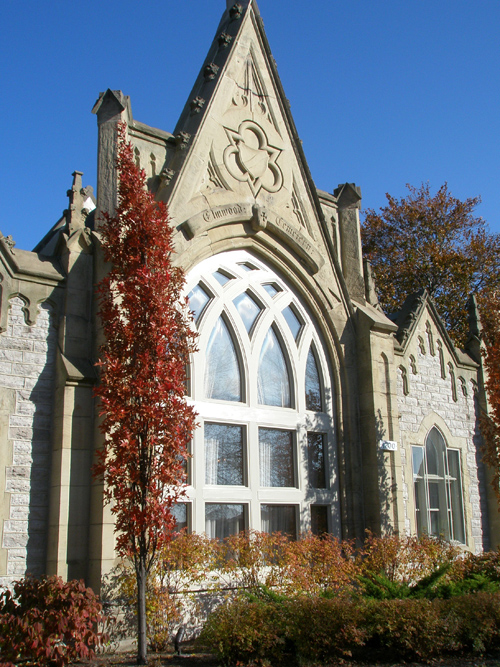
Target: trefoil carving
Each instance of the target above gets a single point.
(250, 158)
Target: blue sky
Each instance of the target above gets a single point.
(384, 92)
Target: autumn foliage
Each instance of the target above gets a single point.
(48, 620)
(146, 324)
(437, 243)
(490, 418)
(433, 242)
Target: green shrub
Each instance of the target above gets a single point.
(318, 630)
(248, 632)
(48, 620)
(411, 629)
(477, 621)
(325, 629)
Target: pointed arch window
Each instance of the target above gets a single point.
(198, 301)
(273, 380)
(222, 277)
(248, 309)
(293, 321)
(222, 371)
(438, 489)
(262, 388)
(313, 384)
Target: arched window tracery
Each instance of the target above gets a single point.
(265, 450)
(438, 489)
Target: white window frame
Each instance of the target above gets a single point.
(429, 479)
(249, 413)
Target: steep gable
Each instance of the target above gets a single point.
(236, 155)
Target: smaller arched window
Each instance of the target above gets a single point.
(438, 489)
(314, 399)
(222, 371)
(273, 380)
(404, 380)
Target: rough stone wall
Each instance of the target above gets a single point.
(27, 356)
(429, 392)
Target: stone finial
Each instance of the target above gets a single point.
(81, 203)
(348, 195)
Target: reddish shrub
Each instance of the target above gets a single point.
(48, 620)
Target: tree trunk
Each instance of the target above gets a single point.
(141, 611)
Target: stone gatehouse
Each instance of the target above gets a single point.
(316, 411)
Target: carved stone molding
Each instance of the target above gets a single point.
(210, 71)
(262, 220)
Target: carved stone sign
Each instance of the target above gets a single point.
(261, 219)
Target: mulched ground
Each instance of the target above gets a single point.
(196, 659)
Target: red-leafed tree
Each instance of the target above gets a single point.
(490, 419)
(146, 421)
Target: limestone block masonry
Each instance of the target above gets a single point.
(430, 398)
(27, 355)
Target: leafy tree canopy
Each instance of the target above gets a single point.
(434, 242)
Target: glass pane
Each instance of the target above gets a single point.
(434, 451)
(273, 383)
(319, 519)
(246, 266)
(276, 457)
(222, 278)
(223, 454)
(198, 299)
(279, 518)
(456, 496)
(317, 475)
(313, 385)
(223, 520)
(248, 309)
(420, 490)
(272, 289)
(222, 373)
(293, 321)
(180, 514)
